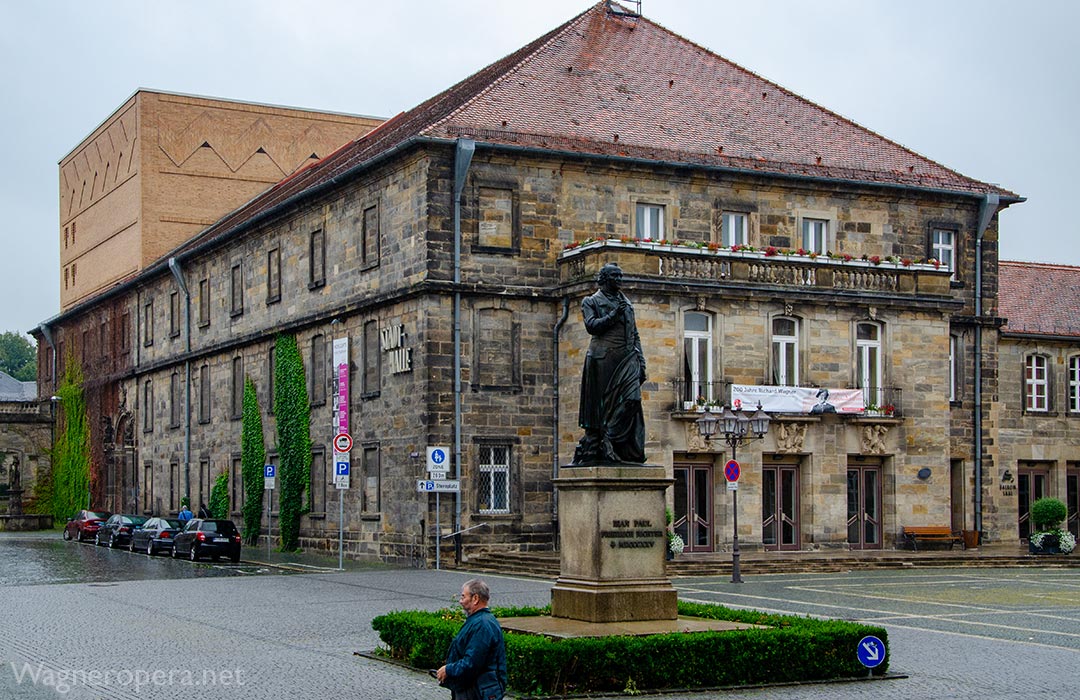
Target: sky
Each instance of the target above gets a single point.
(989, 88)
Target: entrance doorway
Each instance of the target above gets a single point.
(780, 506)
(1033, 483)
(864, 505)
(693, 516)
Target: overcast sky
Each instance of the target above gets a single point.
(989, 88)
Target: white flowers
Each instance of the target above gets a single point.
(1066, 540)
(676, 544)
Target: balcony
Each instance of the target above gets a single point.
(878, 402)
(682, 262)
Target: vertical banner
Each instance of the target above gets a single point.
(341, 411)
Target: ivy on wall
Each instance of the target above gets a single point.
(66, 488)
(252, 459)
(293, 438)
(219, 498)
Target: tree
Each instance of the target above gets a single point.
(252, 459)
(18, 357)
(293, 438)
(219, 498)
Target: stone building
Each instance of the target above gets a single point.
(772, 249)
(25, 435)
(1038, 391)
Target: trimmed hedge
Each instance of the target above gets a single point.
(791, 649)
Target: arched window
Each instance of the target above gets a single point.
(697, 357)
(868, 362)
(785, 351)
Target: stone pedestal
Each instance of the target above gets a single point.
(15, 502)
(613, 541)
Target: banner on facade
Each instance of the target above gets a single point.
(797, 399)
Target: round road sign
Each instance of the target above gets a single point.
(731, 470)
(871, 651)
(343, 442)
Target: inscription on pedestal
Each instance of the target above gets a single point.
(632, 534)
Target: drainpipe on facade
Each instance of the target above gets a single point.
(463, 153)
(555, 423)
(178, 274)
(986, 213)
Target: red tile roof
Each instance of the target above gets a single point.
(1039, 299)
(615, 84)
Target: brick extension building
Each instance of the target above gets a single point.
(766, 243)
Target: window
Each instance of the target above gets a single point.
(204, 394)
(370, 473)
(273, 275)
(236, 290)
(103, 338)
(1036, 384)
(74, 269)
(497, 225)
(943, 248)
(954, 370)
(148, 323)
(493, 479)
(316, 259)
(174, 487)
(148, 406)
(1074, 384)
(237, 403)
(174, 314)
(815, 235)
(236, 491)
(785, 351)
(204, 485)
(369, 246)
(174, 400)
(319, 479)
(697, 356)
(734, 230)
(125, 333)
(271, 367)
(148, 487)
(868, 362)
(497, 350)
(204, 302)
(65, 278)
(317, 390)
(84, 347)
(649, 222)
(372, 366)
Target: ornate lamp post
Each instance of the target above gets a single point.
(738, 429)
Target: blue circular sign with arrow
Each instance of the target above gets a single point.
(871, 651)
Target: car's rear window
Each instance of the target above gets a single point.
(225, 527)
(99, 516)
(171, 523)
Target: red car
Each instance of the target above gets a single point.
(84, 525)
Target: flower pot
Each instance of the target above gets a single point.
(1049, 545)
(688, 405)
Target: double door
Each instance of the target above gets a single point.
(780, 507)
(693, 515)
(864, 506)
(1032, 483)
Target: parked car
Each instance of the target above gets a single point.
(116, 531)
(214, 538)
(155, 534)
(85, 524)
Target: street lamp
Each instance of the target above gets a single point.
(738, 429)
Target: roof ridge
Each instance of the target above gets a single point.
(1032, 263)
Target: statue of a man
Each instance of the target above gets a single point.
(610, 410)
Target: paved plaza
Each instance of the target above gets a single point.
(954, 633)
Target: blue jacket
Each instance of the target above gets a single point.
(478, 657)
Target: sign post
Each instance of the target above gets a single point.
(342, 439)
(732, 471)
(437, 458)
(269, 479)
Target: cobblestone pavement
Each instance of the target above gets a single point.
(955, 633)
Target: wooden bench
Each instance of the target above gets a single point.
(931, 533)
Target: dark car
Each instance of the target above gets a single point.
(155, 534)
(85, 524)
(117, 530)
(214, 538)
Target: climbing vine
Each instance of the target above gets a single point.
(252, 459)
(293, 438)
(67, 488)
(219, 498)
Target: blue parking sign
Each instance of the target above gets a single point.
(341, 468)
(269, 471)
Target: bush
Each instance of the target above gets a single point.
(219, 498)
(1047, 513)
(788, 649)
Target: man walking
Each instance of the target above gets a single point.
(476, 665)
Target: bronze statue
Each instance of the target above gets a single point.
(610, 409)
